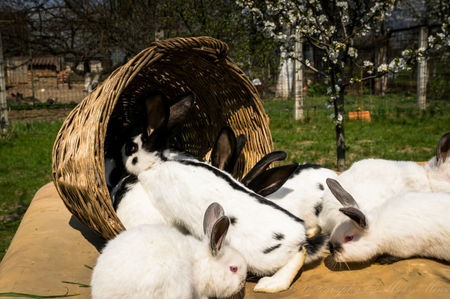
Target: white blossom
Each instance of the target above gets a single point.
(367, 63)
(382, 68)
(342, 4)
(352, 52)
(406, 53)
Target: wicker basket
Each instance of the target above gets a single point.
(224, 96)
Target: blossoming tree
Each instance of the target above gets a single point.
(332, 26)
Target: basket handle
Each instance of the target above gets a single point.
(208, 46)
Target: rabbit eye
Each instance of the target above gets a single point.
(233, 269)
(130, 148)
(348, 238)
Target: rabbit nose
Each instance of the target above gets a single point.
(334, 247)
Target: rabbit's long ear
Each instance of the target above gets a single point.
(224, 149)
(218, 234)
(341, 195)
(443, 148)
(262, 165)
(271, 180)
(212, 213)
(241, 140)
(157, 110)
(356, 215)
(180, 110)
(215, 226)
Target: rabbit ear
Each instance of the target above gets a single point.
(241, 140)
(180, 110)
(443, 148)
(341, 195)
(356, 215)
(215, 226)
(212, 213)
(262, 165)
(218, 234)
(271, 180)
(157, 110)
(224, 149)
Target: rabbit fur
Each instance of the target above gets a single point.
(303, 192)
(267, 235)
(297, 188)
(373, 181)
(406, 225)
(153, 261)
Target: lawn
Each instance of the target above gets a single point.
(25, 165)
(397, 131)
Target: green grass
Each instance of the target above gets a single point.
(397, 131)
(25, 166)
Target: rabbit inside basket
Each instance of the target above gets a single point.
(169, 188)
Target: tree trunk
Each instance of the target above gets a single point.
(380, 58)
(339, 113)
(422, 73)
(339, 126)
(298, 81)
(3, 104)
(283, 87)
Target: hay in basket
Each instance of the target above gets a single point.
(224, 96)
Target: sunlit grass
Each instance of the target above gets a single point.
(25, 166)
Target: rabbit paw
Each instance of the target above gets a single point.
(270, 284)
(283, 278)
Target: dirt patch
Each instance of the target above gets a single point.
(38, 114)
(306, 142)
(10, 217)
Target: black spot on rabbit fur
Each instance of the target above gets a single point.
(121, 189)
(315, 243)
(278, 236)
(302, 167)
(318, 208)
(239, 187)
(334, 247)
(134, 161)
(233, 220)
(320, 186)
(270, 249)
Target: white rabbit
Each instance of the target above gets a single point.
(152, 261)
(297, 188)
(131, 202)
(407, 225)
(271, 239)
(303, 192)
(133, 205)
(373, 181)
